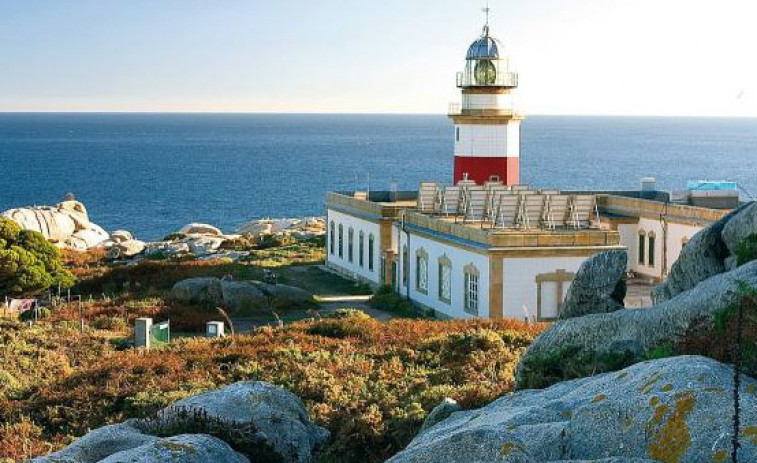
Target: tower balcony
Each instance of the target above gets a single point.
(467, 79)
(458, 109)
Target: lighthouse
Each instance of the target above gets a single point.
(487, 127)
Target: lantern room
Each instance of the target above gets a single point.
(486, 65)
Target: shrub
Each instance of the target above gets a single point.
(387, 299)
(746, 251)
(175, 237)
(28, 263)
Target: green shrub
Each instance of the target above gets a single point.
(355, 314)
(746, 251)
(175, 237)
(386, 299)
(29, 265)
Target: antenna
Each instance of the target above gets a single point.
(487, 10)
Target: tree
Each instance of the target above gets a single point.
(28, 263)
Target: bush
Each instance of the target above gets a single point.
(746, 251)
(29, 265)
(387, 299)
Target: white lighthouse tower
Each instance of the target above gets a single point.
(487, 127)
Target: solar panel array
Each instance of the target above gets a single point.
(501, 206)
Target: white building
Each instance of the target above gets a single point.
(486, 246)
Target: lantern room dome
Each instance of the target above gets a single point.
(485, 47)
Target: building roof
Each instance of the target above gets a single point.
(485, 47)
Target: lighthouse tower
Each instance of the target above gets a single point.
(487, 127)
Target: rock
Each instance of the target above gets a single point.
(198, 290)
(203, 245)
(166, 249)
(119, 236)
(99, 444)
(599, 285)
(300, 228)
(65, 224)
(673, 409)
(241, 295)
(185, 448)
(569, 343)
(200, 229)
(126, 249)
(440, 413)
(278, 418)
(743, 224)
(284, 294)
(731, 263)
(703, 257)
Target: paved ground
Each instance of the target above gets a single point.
(638, 294)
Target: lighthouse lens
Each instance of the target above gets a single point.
(485, 73)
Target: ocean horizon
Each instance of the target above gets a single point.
(152, 173)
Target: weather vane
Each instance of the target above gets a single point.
(486, 10)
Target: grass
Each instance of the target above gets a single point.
(370, 384)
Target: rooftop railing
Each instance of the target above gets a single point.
(505, 79)
(458, 109)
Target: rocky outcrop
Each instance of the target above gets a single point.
(743, 224)
(203, 245)
(268, 422)
(674, 409)
(100, 443)
(297, 228)
(440, 413)
(703, 257)
(186, 448)
(237, 295)
(599, 285)
(200, 229)
(65, 224)
(126, 249)
(627, 333)
(278, 417)
(119, 236)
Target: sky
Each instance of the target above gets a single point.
(585, 57)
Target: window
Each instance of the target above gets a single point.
(361, 249)
(445, 279)
(341, 241)
(642, 247)
(471, 290)
(332, 235)
(457, 134)
(405, 266)
(651, 254)
(421, 271)
(350, 243)
(370, 252)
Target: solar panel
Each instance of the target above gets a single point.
(428, 197)
(475, 206)
(508, 211)
(533, 210)
(451, 200)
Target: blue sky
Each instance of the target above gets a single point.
(646, 57)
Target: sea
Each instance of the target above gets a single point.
(154, 173)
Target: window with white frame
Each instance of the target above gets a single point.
(341, 241)
(370, 252)
(350, 244)
(405, 266)
(445, 279)
(361, 249)
(471, 290)
(652, 248)
(642, 247)
(332, 235)
(421, 271)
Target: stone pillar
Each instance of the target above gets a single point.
(214, 329)
(142, 328)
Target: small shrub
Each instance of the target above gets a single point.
(354, 314)
(664, 350)
(746, 251)
(174, 237)
(386, 299)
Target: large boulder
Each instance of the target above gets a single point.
(703, 257)
(126, 249)
(166, 249)
(119, 236)
(676, 409)
(91, 237)
(200, 229)
(241, 295)
(275, 419)
(599, 285)
(203, 245)
(440, 413)
(579, 346)
(185, 448)
(203, 290)
(99, 444)
(740, 227)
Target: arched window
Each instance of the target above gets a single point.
(361, 248)
(445, 279)
(350, 243)
(642, 246)
(332, 235)
(370, 252)
(471, 289)
(341, 241)
(652, 248)
(405, 266)
(421, 271)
